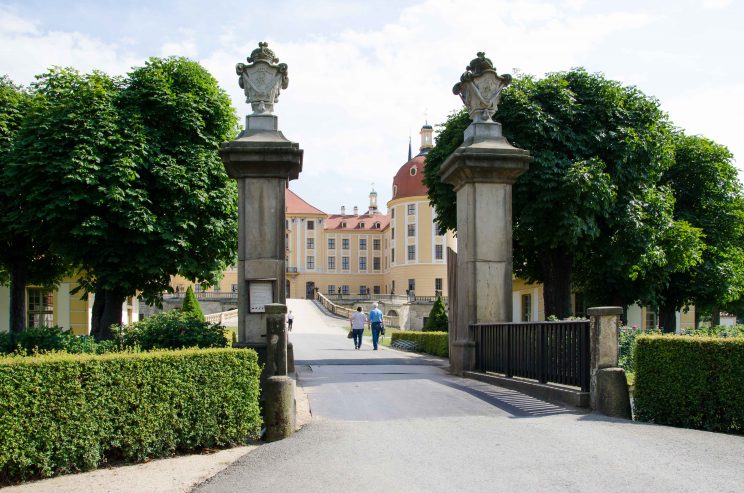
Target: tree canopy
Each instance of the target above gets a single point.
(591, 212)
(25, 258)
(708, 195)
(124, 174)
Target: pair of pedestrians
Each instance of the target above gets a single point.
(358, 319)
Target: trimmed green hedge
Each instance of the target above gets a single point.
(691, 382)
(436, 343)
(62, 413)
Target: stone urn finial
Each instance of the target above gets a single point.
(480, 88)
(262, 79)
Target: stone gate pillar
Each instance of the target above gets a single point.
(482, 171)
(262, 161)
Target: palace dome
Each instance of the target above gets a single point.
(409, 180)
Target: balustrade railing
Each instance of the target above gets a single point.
(345, 312)
(205, 295)
(549, 352)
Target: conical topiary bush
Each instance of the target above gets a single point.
(191, 305)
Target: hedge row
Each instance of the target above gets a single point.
(436, 343)
(691, 382)
(62, 413)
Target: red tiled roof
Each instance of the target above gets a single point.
(407, 185)
(353, 222)
(295, 205)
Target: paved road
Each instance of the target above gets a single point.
(385, 421)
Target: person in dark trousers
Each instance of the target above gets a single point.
(290, 319)
(358, 319)
(375, 320)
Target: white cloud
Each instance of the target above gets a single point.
(29, 50)
(716, 4)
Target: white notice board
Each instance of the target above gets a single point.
(260, 294)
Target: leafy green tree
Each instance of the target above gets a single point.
(437, 320)
(191, 305)
(125, 176)
(708, 195)
(24, 258)
(589, 212)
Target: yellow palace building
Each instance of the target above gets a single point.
(371, 252)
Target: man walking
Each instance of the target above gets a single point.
(375, 319)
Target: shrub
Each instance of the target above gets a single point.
(191, 305)
(691, 382)
(62, 413)
(717, 331)
(626, 345)
(437, 320)
(436, 343)
(173, 330)
(43, 339)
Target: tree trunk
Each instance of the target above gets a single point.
(556, 267)
(106, 312)
(715, 316)
(667, 318)
(18, 281)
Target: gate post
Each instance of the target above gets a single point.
(608, 386)
(262, 161)
(482, 171)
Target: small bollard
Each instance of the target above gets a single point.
(290, 358)
(276, 336)
(280, 407)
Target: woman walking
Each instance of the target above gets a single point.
(358, 319)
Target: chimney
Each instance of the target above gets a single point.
(356, 210)
(343, 210)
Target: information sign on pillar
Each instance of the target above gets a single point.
(262, 160)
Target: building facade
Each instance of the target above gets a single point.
(397, 252)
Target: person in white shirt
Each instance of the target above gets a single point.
(290, 319)
(358, 319)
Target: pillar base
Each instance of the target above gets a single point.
(462, 357)
(610, 394)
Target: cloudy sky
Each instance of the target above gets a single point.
(364, 75)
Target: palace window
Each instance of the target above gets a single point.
(331, 263)
(411, 230)
(439, 252)
(438, 283)
(376, 289)
(310, 262)
(311, 225)
(376, 263)
(392, 255)
(345, 244)
(40, 308)
(411, 252)
(311, 243)
(331, 289)
(362, 244)
(376, 244)
(331, 243)
(345, 263)
(362, 263)
(411, 209)
(345, 289)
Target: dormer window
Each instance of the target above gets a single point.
(395, 190)
(413, 170)
(361, 225)
(343, 224)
